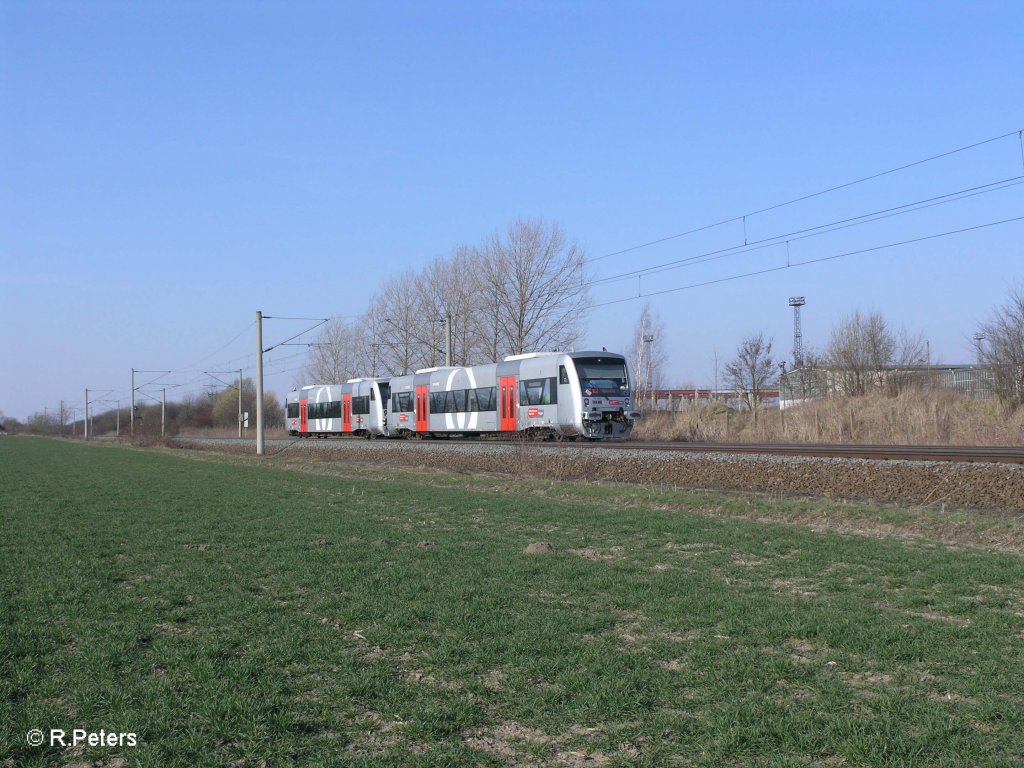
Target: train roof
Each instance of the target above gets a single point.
(596, 353)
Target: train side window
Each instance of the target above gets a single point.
(334, 409)
(550, 396)
(538, 391)
(485, 398)
(373, 395)
(563, 375)
(360, 405)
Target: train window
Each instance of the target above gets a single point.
(486, 398)
(373, 395)
(293, 410)
(385, 392)
(602, 378)
(459, 396)
(402, 402)
(437, 402)
(333, 410)
(471, 405)
(360, 405)
(563, 375)
(538, 392)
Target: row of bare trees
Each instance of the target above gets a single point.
(520, 290)
(215, 408)
(866, 355)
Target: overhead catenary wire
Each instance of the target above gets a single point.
(806, 262)
(812, 195)
(321, 321)
(815, 231)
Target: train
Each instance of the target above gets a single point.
(556, 395)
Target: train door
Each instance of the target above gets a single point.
(346, 413)
(507, 408)
(421, 409)
(303, 418)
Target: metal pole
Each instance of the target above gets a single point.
(239, 403)
(132, 413)
(259, 383)
(448, 340)
(163, 411)
(118, 418)
(86, 427)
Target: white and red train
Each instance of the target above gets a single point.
(557, 394)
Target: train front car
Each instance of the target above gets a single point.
(602, 403)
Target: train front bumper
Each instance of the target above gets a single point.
(608, 422)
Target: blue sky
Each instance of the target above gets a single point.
(170, 168)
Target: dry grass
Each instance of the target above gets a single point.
(915, 418)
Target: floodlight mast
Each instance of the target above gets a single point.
(798, 337)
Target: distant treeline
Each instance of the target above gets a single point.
(216, 408)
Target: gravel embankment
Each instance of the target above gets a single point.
(922, 482)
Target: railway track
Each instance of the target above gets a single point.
(970, 477)
(988, 454)
(948, 453)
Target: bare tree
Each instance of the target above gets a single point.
(334, 358)
(462, 283)
(448, 289)
(753, 370)
(396, 324)
(867, 354)
(646, 353)
(534, 292)
(1003, 349)
(522, 290)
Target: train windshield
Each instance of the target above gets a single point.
(600, 377)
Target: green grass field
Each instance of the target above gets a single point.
(239, 615)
